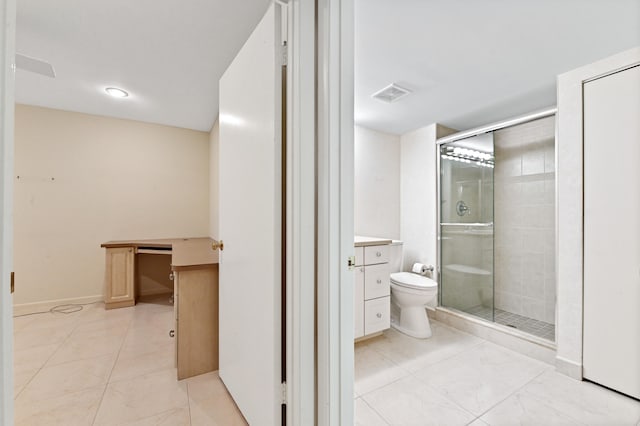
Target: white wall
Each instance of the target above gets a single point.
(112, 179)
(418, 229)
(214, 137)
(376, 183)
(570, 208)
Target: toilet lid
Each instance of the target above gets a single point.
(408, 279)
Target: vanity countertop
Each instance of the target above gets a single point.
(360, 241)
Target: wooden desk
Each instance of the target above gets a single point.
(194, 267)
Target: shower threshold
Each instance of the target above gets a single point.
(528, 325)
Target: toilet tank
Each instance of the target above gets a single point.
(395, 256)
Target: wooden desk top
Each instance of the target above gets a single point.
(186, 253)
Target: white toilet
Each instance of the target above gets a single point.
(410, 294)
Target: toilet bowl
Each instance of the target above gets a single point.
(410, 294)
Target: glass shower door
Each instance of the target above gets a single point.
(466, 225)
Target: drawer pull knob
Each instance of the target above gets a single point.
(379, 254)
(379, 315)
(379, 281)
(172, 333)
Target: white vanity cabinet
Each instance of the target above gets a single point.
(372, 291)
(358, 298)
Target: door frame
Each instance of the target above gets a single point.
(301, 212)
(335, 229)
(7, 105)
(320, 126)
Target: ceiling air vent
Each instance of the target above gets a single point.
(391, 93)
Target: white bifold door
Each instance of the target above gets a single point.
(611, 351)
(250, 216)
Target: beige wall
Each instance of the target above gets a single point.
(86, 179)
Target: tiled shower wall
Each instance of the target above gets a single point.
(524, 218)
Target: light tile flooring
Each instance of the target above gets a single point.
(116, 367)
(99, 367)
(526, 324)
(455, 378)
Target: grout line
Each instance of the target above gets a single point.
(513, 393)
(67, 337)
(472, 345)
(484, 341)
(382, 386)
(447, 358)
(188, 402)
(384, 419)
(413, 374)
(445, 396)
(95, 416)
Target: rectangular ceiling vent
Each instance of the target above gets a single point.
(391, 93)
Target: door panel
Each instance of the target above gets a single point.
(611, 352)
(358, 302)
(7, 102)
(250, 223)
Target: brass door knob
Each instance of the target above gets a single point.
(217, 245)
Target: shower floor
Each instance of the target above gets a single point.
(528, 325)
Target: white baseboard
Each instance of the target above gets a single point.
(569, 368)
(30, 308)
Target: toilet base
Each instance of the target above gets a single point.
(412, 321)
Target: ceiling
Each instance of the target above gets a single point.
(468, 62)
(473, 62)
(169, 55)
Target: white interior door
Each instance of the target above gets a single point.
(7, 78)
(611, 352)
(249, 223)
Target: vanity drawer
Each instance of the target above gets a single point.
(376, 281)
(376, 254)
(376, 315)
(359, 256)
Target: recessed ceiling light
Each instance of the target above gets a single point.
(116, 93)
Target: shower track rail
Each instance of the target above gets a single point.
(496, 126)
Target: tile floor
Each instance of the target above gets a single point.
(99, 367)
(455, 378)
(526, 324)
(116, 367)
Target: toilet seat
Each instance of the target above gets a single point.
(414, 281)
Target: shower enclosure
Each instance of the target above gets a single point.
(496, 191)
